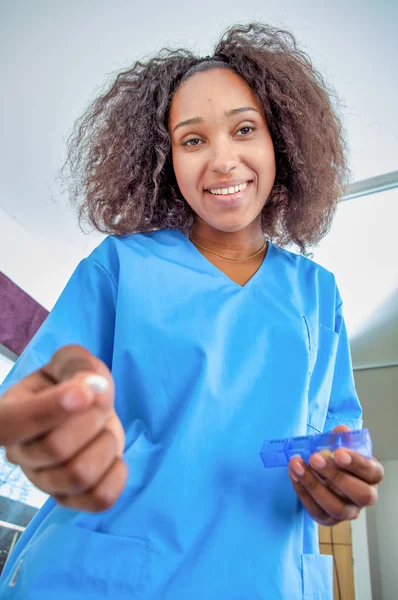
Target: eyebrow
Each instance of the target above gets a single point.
(228, 113)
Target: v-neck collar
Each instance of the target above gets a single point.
(211, 268)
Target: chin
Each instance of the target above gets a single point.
(231, 228)
(232, 224)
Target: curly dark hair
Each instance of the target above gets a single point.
(119, 166)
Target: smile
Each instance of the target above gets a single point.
(230, 190)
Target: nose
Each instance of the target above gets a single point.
(223, 157)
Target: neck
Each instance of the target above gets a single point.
(235, 244)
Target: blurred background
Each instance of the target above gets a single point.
(57, 56)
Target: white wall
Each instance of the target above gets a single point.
(29, 264)
(383, 537)
(360, 552)
(5, 366)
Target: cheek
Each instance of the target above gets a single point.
(266, 164)
(176, 165)
(179, 172)
(187, 173)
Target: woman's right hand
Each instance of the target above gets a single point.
(59, 425)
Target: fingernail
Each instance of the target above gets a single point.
(298, 469)
(97, 383)
(70, 400)
(293, 476)
(344, 458)
(318, 461)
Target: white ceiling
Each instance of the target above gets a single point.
(58, 55)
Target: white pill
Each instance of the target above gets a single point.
(97, 383)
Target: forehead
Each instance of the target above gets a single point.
(217, 89)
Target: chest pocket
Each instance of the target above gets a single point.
(323, 349)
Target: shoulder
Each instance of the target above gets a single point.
(136, 242)
(307, 275)
(301, 263)
(117, 252)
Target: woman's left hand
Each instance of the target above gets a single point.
(336, 489)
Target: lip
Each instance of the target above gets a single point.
(226, 184)
(230, 200)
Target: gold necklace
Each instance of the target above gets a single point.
(229, 257)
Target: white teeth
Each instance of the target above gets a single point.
(230, 190)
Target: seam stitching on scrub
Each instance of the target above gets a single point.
(15, 574)
(309, 346)
(103, 268)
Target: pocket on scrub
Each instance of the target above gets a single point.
(69, 562)
(324, 343)
(327, 341)
(317, 571)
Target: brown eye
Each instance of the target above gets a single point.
(192, 142)
(245, 130)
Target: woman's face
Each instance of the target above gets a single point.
(223, 155)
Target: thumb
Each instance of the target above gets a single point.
(341, 428)
(75, 364)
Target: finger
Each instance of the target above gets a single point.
(331, 503)
(103, 495)
(114, 425)
(343, 483)
(24, 417)
(71, 360)
(80, 474)
(60, 444)
(313, 508)
(368, 469)
(341, 428)
(64, 364)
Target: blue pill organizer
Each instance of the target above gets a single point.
(277, 453)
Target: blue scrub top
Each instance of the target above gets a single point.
(205, 371)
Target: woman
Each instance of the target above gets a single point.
(214, 338)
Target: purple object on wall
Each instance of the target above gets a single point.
(20, 316)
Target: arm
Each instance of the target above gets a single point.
(57, 416)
